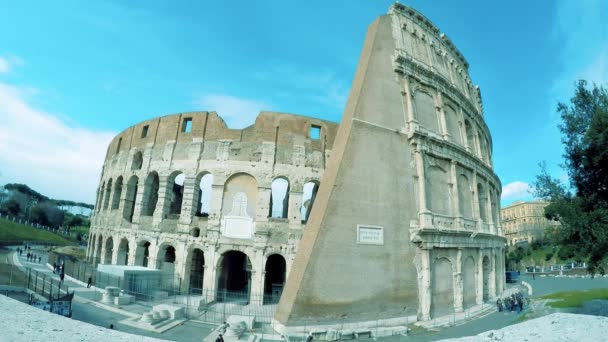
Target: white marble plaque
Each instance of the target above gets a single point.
(370, 235)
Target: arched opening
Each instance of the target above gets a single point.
(424, 107)
(481, 199)
(142, 253)
(465, 197)
(482, 148)
(234, 278)
(137, 161)
(123, 252)
(107, 258)
(203, 198)
(468, 282)
(470, 137)
(437, 191)
(176, 194)
(451, 121)
(117, 193)
(197, 271)
(106, 199)
(486, 278)
(195, 232)
(166, 264)
(130, 199)
(274, 278)
(150, 194)
(308, 199)
(279, 198)
(442, 288)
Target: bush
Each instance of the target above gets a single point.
(548, 256)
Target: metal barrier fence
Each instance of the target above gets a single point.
(38, 282)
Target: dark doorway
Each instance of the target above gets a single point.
(274, 279)
(234, 278)
(197, 269)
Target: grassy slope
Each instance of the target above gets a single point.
(12, 231)
(573, 299)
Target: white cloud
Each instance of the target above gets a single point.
(237, 112)
(516, 191)
(40, 149)
(4, 65)
(581, 31)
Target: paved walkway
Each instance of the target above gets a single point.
(94, 313)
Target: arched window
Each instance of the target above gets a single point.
(150, 194)
(481, 196)
(117, 193)
(279, 198)
(451, 121)
(308, 199)
(465, 198)
(470, 137)
(137, 161)
(176, 182)
(424, 106)
(203, 200)
(437, 191)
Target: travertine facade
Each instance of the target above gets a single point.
(194, 229)
(525, 221)
(406, 220)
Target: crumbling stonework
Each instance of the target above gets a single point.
(138, 222)
(405, 223)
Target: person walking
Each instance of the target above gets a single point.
(219, 338)
(89, 282)
(54, 267)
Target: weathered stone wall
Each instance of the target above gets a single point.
(138, 180)
(412, 163)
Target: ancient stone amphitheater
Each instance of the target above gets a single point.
(392, 215)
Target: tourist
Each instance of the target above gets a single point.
(54, 267)
(309, 338)
(499, 305)
(219, 338)
(112, 326)
(28, 256)
(89, 282)
(39, 259)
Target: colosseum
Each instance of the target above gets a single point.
(393, 215)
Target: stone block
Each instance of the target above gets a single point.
(175, 312)
(124, 300)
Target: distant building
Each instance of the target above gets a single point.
(525, 221)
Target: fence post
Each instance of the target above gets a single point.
(43, 283)
(36, 282)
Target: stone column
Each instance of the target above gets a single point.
(139, 199)
(295, 204)
(215, 207)
(476, 213)
(115, 249)
(132, 251)
(257, 278)
(411, 119)
(439, 107)
(458, 286)
(479, 293)
(102, 259)
(425, 216)
(263, 206)
(458, 222)
(489, 209)
(188, 205)
(492, 276)
(164, 200)
(211, 260)
(424, 284)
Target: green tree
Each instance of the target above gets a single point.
(582, 209)
(11, 207)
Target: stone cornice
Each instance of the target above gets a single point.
(445, 238)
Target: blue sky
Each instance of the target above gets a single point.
(72, 76)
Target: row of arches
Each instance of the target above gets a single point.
(440, 199)
(457, 126)
(174, 192)
(443, 289)
(233, 269)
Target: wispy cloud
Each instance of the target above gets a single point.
(8, 62)
(516, 191)
(321, 86)
(581, 31)
(42, 150)
(236, 111)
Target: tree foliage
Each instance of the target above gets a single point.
(582, 209)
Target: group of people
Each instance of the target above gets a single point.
(515, 302)
(30, 256)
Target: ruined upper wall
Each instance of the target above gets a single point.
(286, 130)
(419, 39)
